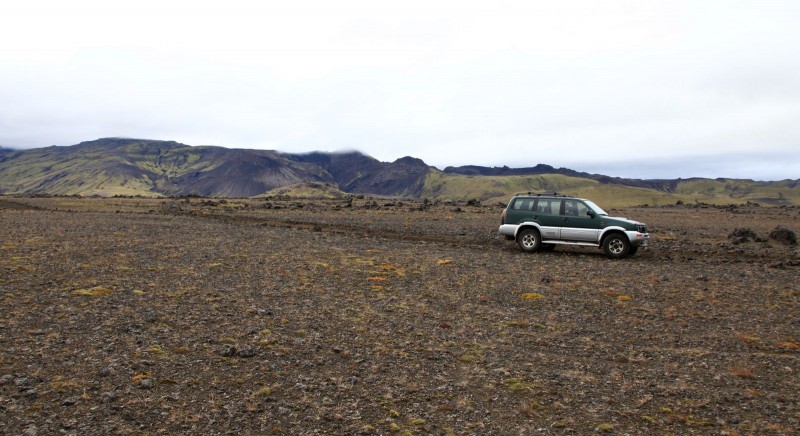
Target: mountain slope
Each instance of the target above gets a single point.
(118, 166)
(128, 167)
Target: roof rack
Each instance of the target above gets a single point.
(548, 194)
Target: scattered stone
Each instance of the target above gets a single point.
(6, 379)
(246, 352)
(227, 350)
(147, 383)
(67, 425)
(22, 383)
(742, 235)
(71, 401)
(150, 316)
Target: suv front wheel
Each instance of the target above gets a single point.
(616, 246)
(529, 240)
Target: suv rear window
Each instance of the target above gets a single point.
(523, 204)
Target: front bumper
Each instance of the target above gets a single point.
(638, 239)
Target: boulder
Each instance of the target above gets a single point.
(171, 207)
(783, 235)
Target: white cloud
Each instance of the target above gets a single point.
(579, 83)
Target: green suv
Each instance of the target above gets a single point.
(542, 221)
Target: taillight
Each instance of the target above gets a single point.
(503, 216)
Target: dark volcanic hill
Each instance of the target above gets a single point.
(358, 173)
(122, 166)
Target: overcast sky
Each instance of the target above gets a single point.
(634, 88)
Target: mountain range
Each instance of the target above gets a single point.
(124, 166)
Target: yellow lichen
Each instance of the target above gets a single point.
(530, 296)
(605, 427)
(93, 292)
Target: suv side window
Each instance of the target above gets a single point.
(583, 210)
(575, 208)
(548, 206)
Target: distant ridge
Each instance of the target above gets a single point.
(129, 166)
(667, 185)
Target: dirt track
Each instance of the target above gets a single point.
(287, 317)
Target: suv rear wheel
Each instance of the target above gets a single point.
(529, 240)
(616, 245)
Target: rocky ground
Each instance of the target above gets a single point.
(375, 316)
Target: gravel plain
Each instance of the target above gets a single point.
(385, 316)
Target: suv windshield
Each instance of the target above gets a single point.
(597, 209)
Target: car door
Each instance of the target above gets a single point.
(576, 224)
(547, 215)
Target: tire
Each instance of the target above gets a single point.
(616, 246)
(548, 247)
(529, 240)
(633, 251)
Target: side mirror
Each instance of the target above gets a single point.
(590, 213)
